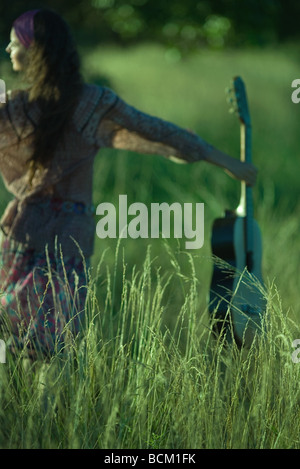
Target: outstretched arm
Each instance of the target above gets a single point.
(124, 127)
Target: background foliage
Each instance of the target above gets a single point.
(184, 25)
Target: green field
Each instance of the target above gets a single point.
(148, 373)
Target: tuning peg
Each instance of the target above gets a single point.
(232, 110)
(230, 95)
(229, 91)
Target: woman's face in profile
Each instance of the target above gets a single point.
(17, 52)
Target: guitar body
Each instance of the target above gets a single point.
(236, 301)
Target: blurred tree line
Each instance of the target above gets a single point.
(182, 24)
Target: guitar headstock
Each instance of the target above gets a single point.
(238, 100)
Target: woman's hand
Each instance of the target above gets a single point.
(234, 167)
(242, 171)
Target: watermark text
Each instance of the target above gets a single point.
(2, 351)
(296, 93)
(2, 91)
(145, 224)
(296, 353)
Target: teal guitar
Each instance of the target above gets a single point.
(237, 301)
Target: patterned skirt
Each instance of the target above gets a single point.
(42, 298)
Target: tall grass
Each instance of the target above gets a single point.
(131, 382)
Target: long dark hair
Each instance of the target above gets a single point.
(55, 82)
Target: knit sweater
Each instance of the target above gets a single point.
(102, 119)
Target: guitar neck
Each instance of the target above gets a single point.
(245, 207)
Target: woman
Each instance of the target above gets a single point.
(49, 136)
